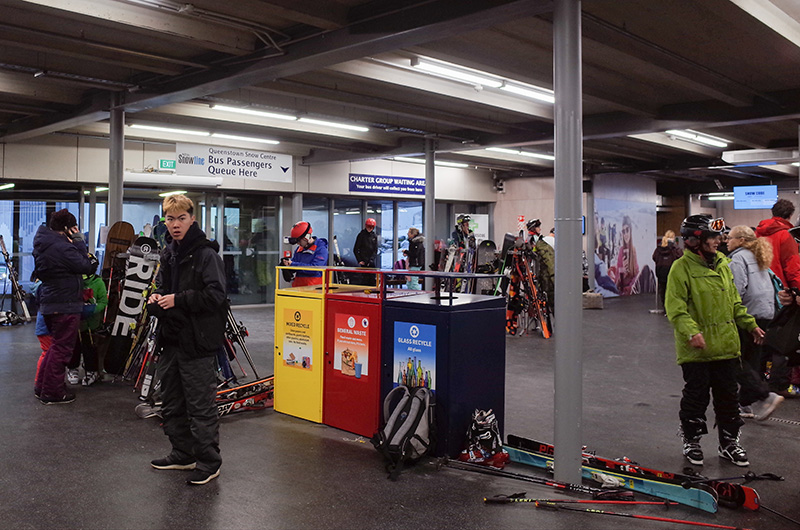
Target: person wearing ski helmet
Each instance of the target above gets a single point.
(366, 246)
(534, 227)
(705, 310)
(462, 234)
(311, 251)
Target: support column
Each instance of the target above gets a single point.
(568, 177)
(430, 206)
(221, 222)
(331, 233)
(591, 242)
(116, 161)
(92, 220)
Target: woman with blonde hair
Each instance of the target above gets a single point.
(750, 260)
(664, 256)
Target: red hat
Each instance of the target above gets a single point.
(300, 230)
(370, 222)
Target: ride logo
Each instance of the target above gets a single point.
(138, 275)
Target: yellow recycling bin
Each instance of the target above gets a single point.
(299, 345)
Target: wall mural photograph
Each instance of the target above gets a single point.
(624, 237)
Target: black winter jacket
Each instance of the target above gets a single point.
(60, 265)
(416, 251)
(193, 271)
(366, 247)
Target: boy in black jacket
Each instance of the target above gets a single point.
(190, 305)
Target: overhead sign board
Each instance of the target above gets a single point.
(214, 161)
(381, 184)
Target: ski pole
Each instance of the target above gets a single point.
(520, 497)
(557, 507)
(748, 477)
(564, 486)
(779, 514)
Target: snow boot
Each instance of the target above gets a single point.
(729, 447)
(690, 432)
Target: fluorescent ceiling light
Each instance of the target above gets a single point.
(521, 153)
(101, 188)
(530, 91)
(168, 193)
(442, 163)
(796, 163)
(169, 130)
(720, 194)
(254, 112)
(244, 138)
(698, 137)
(7, 186)
(456, 72)
(354, 212)
(335, 125)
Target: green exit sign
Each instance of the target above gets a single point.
(166, 164)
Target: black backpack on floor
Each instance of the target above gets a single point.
(408, 430)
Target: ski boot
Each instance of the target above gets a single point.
(729, 447)
(690, 432)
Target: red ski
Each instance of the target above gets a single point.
(729, 493)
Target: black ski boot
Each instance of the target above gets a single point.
(729, 447)
(690, 432)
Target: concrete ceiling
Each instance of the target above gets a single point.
(728, 68)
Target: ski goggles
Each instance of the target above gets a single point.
(717, 225)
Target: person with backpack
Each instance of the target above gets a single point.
(750, 259)
(664, 256)
(705, 310)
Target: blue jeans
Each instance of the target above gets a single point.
(413, 281)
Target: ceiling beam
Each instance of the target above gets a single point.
(142, 19)
(41, 89)
(324, 15)
(418, 24)
(773, 17)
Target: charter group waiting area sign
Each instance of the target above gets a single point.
(383, 184)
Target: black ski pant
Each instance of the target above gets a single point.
(84, 346)
(752, 386)
(718, 378)
(779, 370)
(188, 391)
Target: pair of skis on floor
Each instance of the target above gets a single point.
(684, 489)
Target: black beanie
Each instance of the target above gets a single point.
(62, 220)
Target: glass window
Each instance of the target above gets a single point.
(142, 214)
(315, 211)
(6, 228)
(383, 213)
(346, 226)
(251, 248)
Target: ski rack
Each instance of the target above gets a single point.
(17, 292)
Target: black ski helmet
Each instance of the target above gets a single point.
(701, 225)
(533, 224)
(463, 218)
(94, 261)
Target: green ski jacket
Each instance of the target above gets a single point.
(701, 300)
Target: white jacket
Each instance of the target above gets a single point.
(754, 285)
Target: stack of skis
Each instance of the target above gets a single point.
(22, 314)
(480, 258)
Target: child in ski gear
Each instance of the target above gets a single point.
(95, 302)
(310, 251)
(366, 246)
(61, 258)
(750, 259)
(705, 309)
(416, 256)
(190, 305)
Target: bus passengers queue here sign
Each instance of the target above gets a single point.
(214, 161)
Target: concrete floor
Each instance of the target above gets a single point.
(86, 465)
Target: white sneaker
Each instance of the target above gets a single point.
(90, 378)
(762, 409)
(73, 378)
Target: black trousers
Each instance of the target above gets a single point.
(188, 390)
(752, 386)
(718, 378)
(84, 346)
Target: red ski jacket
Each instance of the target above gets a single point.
(785, 257)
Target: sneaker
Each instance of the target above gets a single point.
(762, 409)
(692, 451)
(66, 398)
(746, 411)
(171, 462)
(200, 477)
(90, 378)
(73, 378)
(37, 393)
(734, 452)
